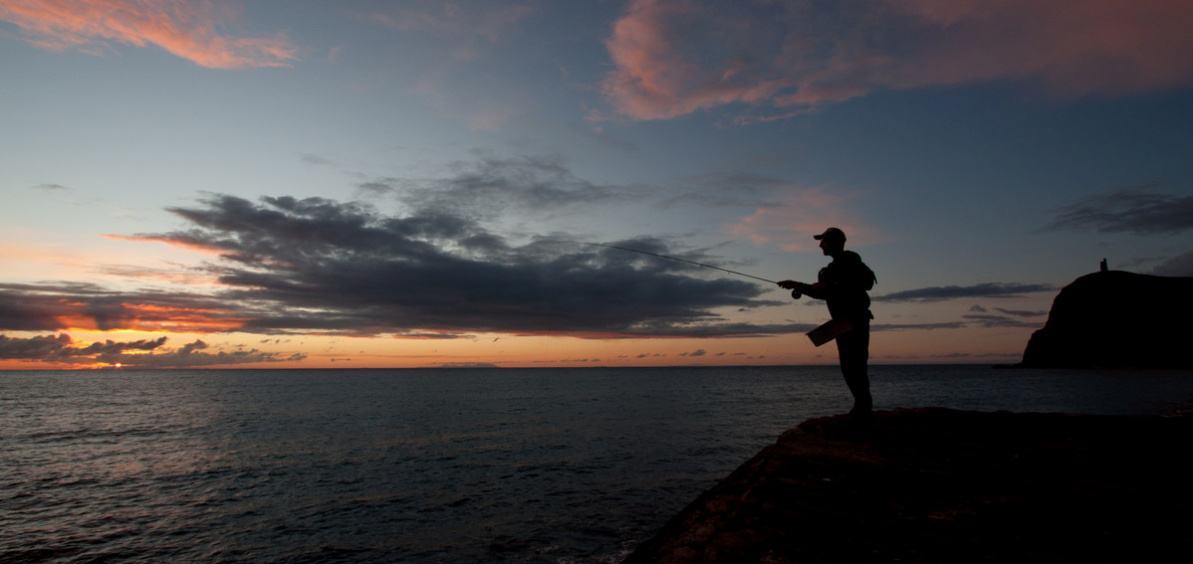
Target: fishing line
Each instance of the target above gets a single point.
(676, 259)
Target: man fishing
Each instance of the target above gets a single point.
(843, 285)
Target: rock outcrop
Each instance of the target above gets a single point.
(938, 485)
(1117, 319)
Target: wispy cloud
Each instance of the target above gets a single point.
(723, 189)
(675, 57)
(791, 221)
(994, 321)
(59, 306)
(317, 160)
(1020, 312)
(190, 30)
(470, 24)
(458, 38)
(1139, 210)
(489, 185)
(942, 293)
(1180, 265)
(916, 326)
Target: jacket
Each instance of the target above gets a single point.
(843, 284)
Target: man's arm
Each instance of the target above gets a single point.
(810, 290)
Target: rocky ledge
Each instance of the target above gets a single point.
(939, 485)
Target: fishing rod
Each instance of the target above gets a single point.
(676, 259)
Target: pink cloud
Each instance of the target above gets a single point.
(675, 57)
(664, 68)
(454, 18)
(481, 114)
(184, 28)
(460, 35)
(470, 23)
(1073, 48)
(791, 222)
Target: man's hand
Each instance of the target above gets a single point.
(793, 285)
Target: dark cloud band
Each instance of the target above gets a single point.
(147, 353)
(320, 266)
(1130, 210)
(941, 293)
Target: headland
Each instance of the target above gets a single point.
(1116, 319)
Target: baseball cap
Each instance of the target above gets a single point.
(831, 233)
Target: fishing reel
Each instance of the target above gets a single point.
(796, 295)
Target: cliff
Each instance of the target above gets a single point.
(1116, 319)
(937, 485)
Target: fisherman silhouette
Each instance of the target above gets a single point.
(843, 285)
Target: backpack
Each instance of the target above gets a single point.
(866, 276)
(859, 273)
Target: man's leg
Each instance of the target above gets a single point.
(853, 348)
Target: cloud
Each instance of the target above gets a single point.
(723, 190)
(916, 326)
(488, 185)
(942, 293)
(1180, 265)
(1021, 313)
(57, 306)
(62, 348)
(455, 40)
(35, 347)
(189, 30)
(18, 312)
(50, 187)
(675, 57)
(145, 353)
(176, 274)
(977, 309)
(717, 330)
(791, 222)
(978, 315)
(317, 160)
(315, 265)
(471, 24)
(994, 321)
(1137, 210)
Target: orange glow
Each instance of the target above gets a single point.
(155, 318)
(974, 344)
(33, 256)
(185, 320)
(181, 244)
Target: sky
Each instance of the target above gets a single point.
(415, 183)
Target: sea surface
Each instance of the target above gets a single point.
(433, 465)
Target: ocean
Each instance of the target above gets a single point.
(433, 465)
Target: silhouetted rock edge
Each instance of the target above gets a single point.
(1116, 319)
(940, 485)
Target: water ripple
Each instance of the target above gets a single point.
(431, 465)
